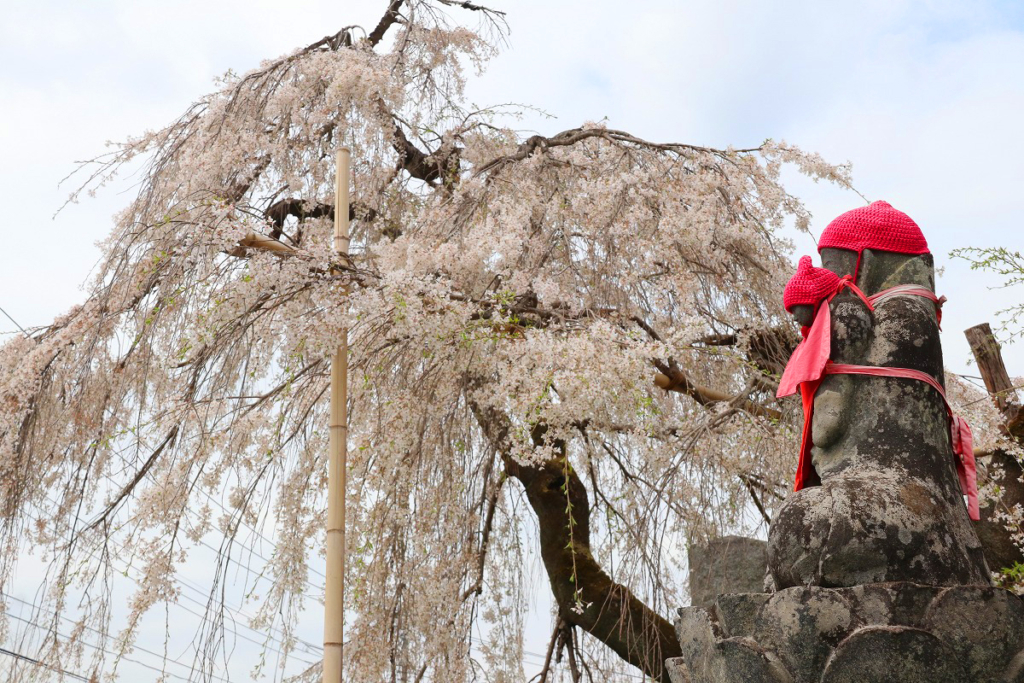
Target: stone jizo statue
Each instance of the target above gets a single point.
(879, 497)
(875, 573)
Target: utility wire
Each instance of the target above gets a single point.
(258, 533)
(311, 648)
(234, 541)
(14, 321)
(26, 658)
(239, 623)
(211, 498)
(55, 632)
(104, 636)
(204, 619)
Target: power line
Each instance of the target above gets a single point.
(211, 498)
(14, 321)
(51, 667)
(163, 658)
(55, 632)
(251, 551)
(104, 636)
(257, 532)
(236, 633)
(310, 647)
(235, 541)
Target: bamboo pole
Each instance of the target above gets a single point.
(334, 594)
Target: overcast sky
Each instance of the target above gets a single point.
(925, 98)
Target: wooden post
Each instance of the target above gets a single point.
(990, 365)
(997, 381)
(334, 591)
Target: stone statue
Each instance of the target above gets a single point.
(889, 506)
(875, 572)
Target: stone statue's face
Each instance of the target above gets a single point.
(839, 261)
(804, 315)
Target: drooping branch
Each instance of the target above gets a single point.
(469, 5)
(586, 595)
(127, 489)
(534, 142)
(492, 506)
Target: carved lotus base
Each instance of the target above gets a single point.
(892, 632)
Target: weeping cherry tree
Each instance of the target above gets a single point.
(564, 350)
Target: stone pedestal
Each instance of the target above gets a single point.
(730, 564)
(872, 633)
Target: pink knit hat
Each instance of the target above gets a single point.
(875, 226)
(809, 285)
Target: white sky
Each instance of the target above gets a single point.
(925, 98)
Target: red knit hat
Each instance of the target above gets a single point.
(875, 226)
(809, 285)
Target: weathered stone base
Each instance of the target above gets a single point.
(891, 632)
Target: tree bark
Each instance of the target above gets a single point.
(586, 595)
(389, 18)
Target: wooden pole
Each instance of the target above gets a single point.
(989, 357)
(334, 593)
(990, 364)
